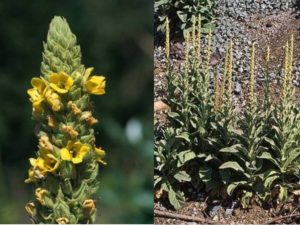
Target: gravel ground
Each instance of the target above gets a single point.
(266, 22)
(272, 28)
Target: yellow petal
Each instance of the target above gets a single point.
(32, 161)
(31, 177)
(51, 163)
(96, 85)
(53, 99)
(38, 83)
(61, 82)
(65, 154)
(40, 163)
(77, 160)
(58, 89)
(81, 151)
(33, 93)
(100, 154)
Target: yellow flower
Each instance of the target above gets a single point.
(42, 165)
(61, 82)
(74, 151)
(53, 99)
(40, 195)
(95, 84)
(100, 154)
(36, 93)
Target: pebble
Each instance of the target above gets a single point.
(191, 223)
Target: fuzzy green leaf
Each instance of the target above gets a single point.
(232, 165)
(186, 156)
(231, 149)
(234, 185)
(269, 180)
(182, 176)
(184, 136)
(283, 193)
(173, 198)
(268, 156)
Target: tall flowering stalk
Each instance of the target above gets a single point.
(65, 169)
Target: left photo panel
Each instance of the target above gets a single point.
(76, 121)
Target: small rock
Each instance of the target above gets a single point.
(191, 223)
(238, 88)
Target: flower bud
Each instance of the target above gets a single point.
(70, 130)
(89, 206)
(30, 208)
(88, 118)
(40, 195)
(45, 143)
(75, 110)
(62, 220)
(67, 186)
(61, 209)
(51, 122)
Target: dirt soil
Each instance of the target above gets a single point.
(273, 30)
(254, 215)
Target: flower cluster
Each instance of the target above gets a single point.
(50, 95)
(65, 169)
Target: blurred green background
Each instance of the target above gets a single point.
(116, 38)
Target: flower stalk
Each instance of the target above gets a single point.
(65, 169)
(167, 44)
(252, 99)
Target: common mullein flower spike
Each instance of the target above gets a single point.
(65, 169)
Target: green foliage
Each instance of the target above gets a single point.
(181, 12)
(255, 152)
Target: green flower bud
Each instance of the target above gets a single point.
(67, 186)
(67, 170)
(61, 209)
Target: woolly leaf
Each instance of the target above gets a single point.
(232, 165)
(182, 176)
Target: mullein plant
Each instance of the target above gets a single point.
(284, 141)
(175, 150)
(244, 163)
(65, 169)
(220, 124)
(168, 166)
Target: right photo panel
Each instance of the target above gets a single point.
(226, 112)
